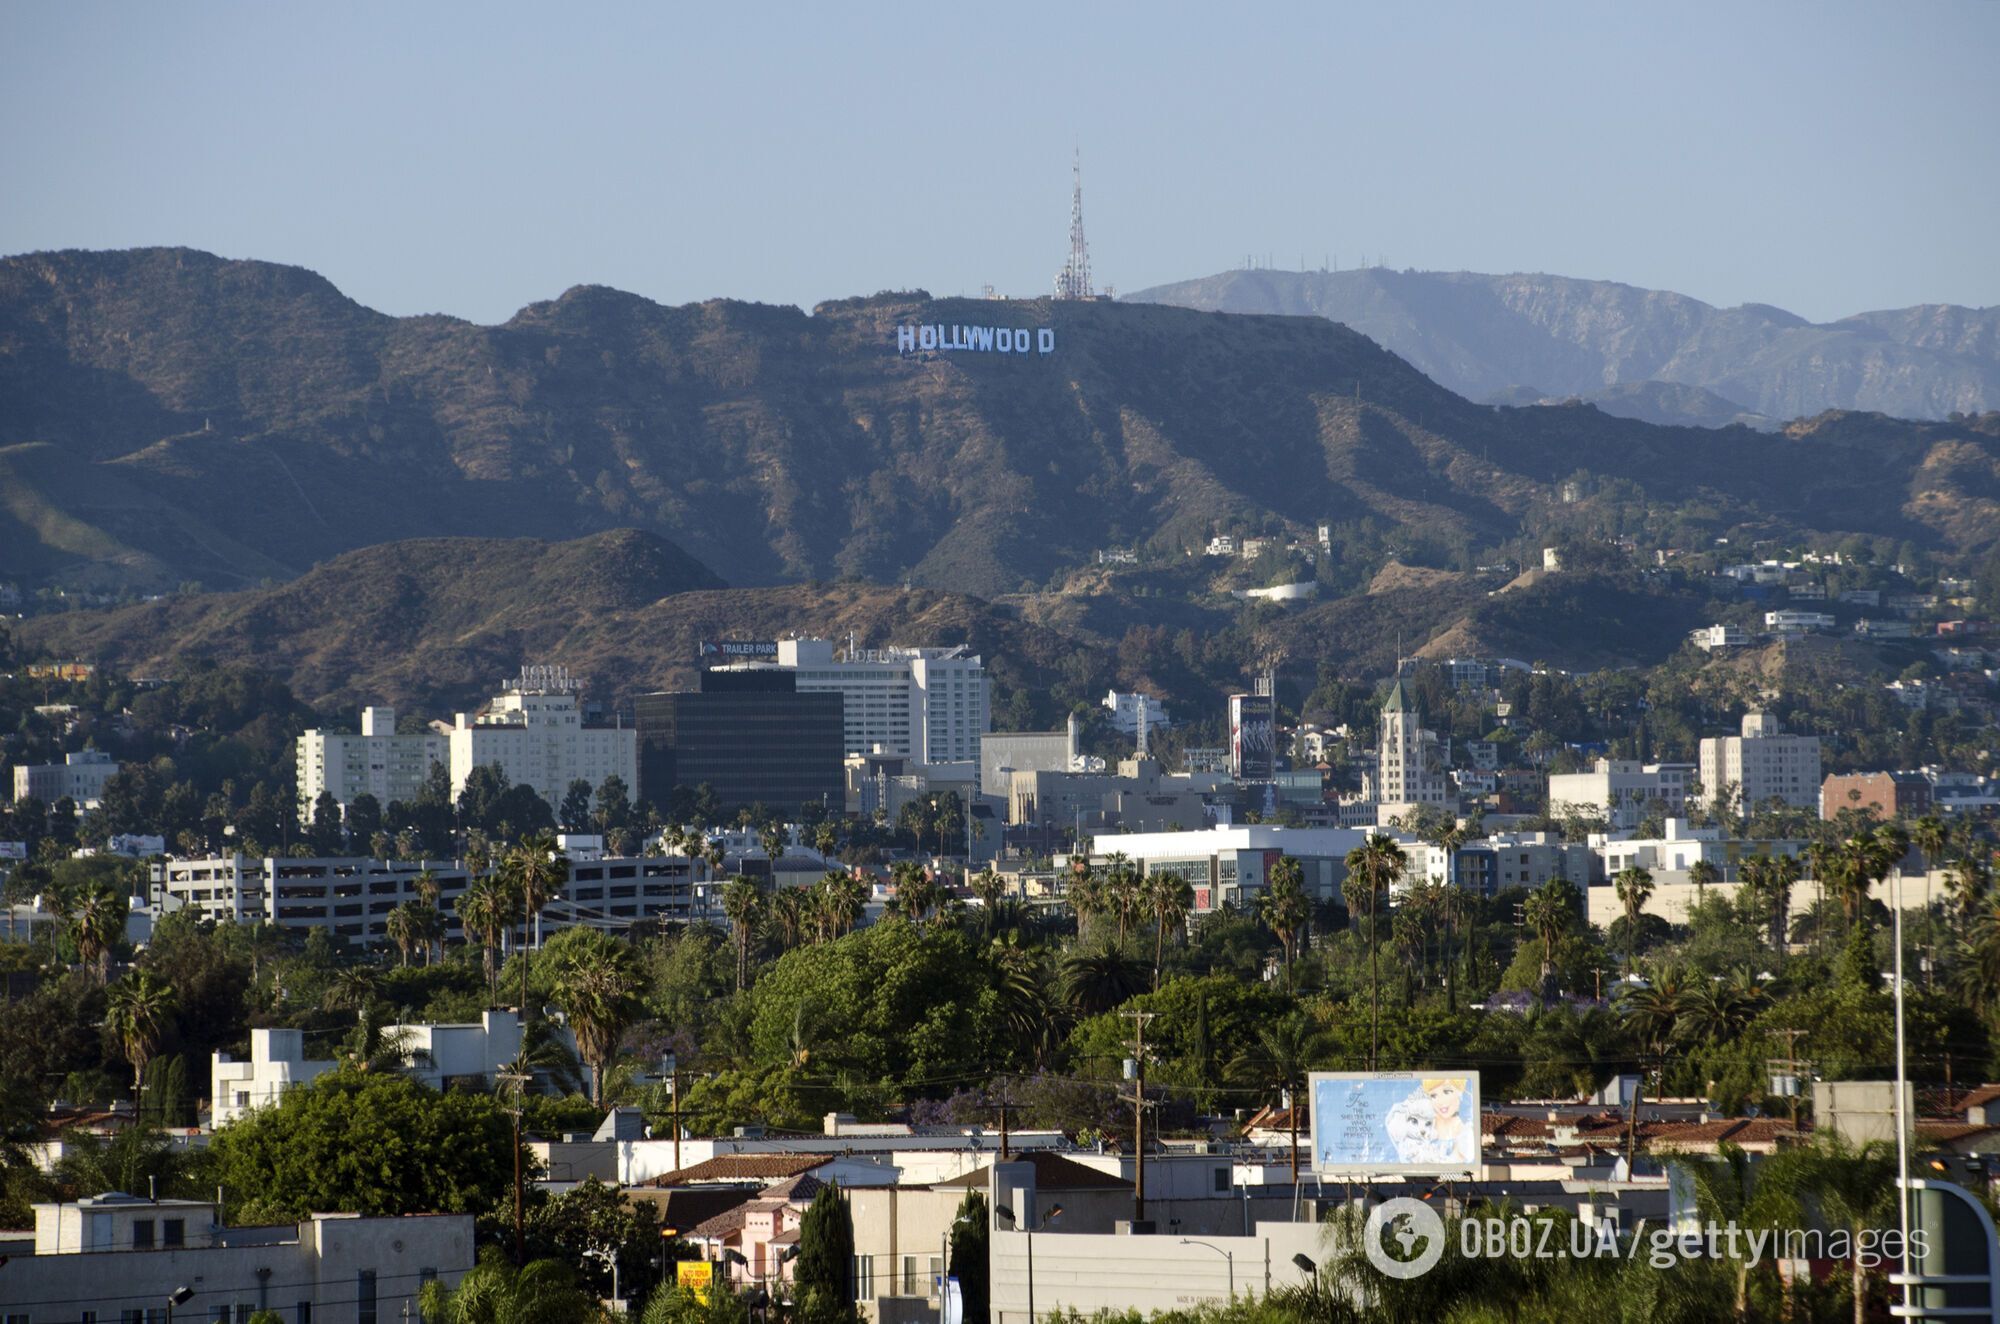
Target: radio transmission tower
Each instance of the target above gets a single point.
(1074, 280)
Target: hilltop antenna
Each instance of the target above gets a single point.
(1074, 280)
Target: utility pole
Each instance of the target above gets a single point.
(1139, 1020)
(1792, 1066)
(516, 1082)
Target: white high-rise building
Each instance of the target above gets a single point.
(1761, 764)
(377, 762)
(1406, 761)
(932, 704)
(534, 729)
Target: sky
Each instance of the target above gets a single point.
(1827, 158)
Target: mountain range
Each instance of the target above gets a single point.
(169, 417)
(1519, 338)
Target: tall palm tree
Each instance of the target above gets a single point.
(1122, 891)
(1378, 862)
(538, 870)
(1283, 907)
(489, 909)
(596, 983)
(742, 902)
(1653, 1008)
(826, 837)
(427, 887)
(1635, 888)
(1550, 911)
(427, 922)
(1098, 981)
(98, 927)
(1781, 876)
(1170, 897)
(1086, 896)
(1930, 835)
(401, 929)
(1850, 1186)
(139, 1009)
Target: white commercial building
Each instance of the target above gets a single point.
(118, 1257)
(377, 762)
(1761, 764)
(930, 703)
(437, 1055)
(535, 731)
(79, 777)
(1623, 790)
(1793, 621)
(1230, 865)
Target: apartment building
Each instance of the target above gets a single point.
(1761, 764)
(377, 762)
(534, 729)
(1625, 790)
(79, 777)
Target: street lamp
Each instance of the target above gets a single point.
(1055, 1212)
(1226, 1254)
(1305, 1264)
(180, 1296)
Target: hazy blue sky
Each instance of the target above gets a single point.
(1827, 158)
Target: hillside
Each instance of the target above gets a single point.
(167, 416)
(1481, 335)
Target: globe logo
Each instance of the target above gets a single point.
(1403, 1238)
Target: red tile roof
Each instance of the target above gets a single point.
(743, 1168)
(1053, 1172)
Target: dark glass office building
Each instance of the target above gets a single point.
(751, 736)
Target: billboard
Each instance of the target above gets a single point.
(695, 1276)
(737, 649)
(1253, 743)
(1394, 1123)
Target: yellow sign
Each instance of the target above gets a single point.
(695, 1276)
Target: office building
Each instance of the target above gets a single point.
(534, 729)
(377, 762)
(79, 777)
(1625, 792)
(1885, 795)
(352, 897)
(1004, 753)
(930, 703)
(1741, 772)
(750, 736)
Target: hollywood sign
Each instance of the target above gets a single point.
(936, 337)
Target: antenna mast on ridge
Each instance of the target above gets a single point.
(1074, 280)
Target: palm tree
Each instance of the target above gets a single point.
(742, 901)
(1781, 874)
(788, 916)
(1719, 1009)
(1930, 835)
(139, 1007)
(538, 869)
(1086, 895)
(1635, 888)
(1653, 1009)
(98, 927)
(1550, 910)
(1701, 873)
(427, 887)
(986, 885)
(1852, 1186)
(401, 929)
(490, 909)
(1378, 862)
(1170, 897)
(1278, 1063)
(1098, 981)
(1283, 907)
(428, 923)
(826, 837)
(596, 983)
(1122, 892)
